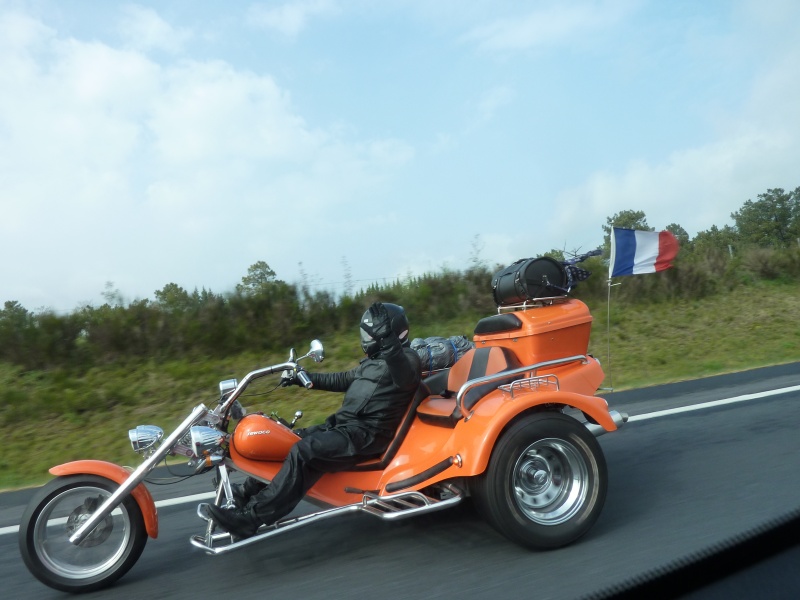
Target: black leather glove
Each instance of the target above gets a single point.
(381, 326)
(289, 377)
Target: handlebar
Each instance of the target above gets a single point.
(582, 257)
(232, 392)
(303, 378)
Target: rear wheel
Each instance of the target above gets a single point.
(107, 553)
(546, 481)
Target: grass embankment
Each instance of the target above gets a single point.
(53, 417)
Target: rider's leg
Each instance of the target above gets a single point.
(307, 461)
(242, 492)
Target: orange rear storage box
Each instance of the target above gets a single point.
(546, 333)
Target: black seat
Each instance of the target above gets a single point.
(442, 409)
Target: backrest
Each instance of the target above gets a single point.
(388, 454)
(479, 362)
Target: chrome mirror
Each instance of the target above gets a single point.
(227, 386)
(317, 352)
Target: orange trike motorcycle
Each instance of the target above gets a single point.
(512, 424)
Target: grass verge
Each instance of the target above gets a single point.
(48, 418)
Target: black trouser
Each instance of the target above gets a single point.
(321, 449)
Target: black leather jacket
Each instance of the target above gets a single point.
(377, 391)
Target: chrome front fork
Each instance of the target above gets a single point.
(224, 488)
(223, 498)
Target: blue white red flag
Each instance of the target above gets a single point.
(636, 252)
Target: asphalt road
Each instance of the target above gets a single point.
(680, 483)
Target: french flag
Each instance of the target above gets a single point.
(636, 252)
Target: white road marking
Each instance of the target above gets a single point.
(682, 409)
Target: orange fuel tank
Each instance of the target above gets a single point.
(258, 437)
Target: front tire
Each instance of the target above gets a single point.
(107, 553)
(546, 482)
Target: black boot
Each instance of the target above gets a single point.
(240, 497)
(239, 522)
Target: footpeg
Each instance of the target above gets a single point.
(202, 511)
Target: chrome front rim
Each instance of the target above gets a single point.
(550, 481)
(98, 552)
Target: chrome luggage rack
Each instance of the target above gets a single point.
(532, 303)
(531, 384)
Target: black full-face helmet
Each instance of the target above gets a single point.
(399, 324)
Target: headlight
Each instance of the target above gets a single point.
(205, 439)
(145, 437)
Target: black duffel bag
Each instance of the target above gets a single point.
(529, 279)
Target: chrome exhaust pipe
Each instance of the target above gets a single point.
(619, 420)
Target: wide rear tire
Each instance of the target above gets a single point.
(106, 554)
(546, 481)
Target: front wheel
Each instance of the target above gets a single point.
(546, 481)
(105, 555)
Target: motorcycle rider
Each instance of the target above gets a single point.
(377, 394)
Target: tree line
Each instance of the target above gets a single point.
(266, 313)
(771, 221)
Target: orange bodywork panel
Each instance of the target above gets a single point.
(547, 332)
(474, 438)
(118, 474)
(260, 438)
(494, 412)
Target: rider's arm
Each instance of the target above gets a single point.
(404, 366)
(332, 382)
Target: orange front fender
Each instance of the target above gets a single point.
(117, 474)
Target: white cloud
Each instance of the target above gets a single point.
(494, 99)
(693, 187)
(208, 111)
(756, 148)
(117, 168)
(556, 23)
(290, 18)
(144, 29)
(753, 145)
(21, 31)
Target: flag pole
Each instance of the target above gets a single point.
(608, 335)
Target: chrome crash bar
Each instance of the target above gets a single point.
(510, 373)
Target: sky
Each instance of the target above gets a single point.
(346, 142)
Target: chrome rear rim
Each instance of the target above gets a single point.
(550, 481)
